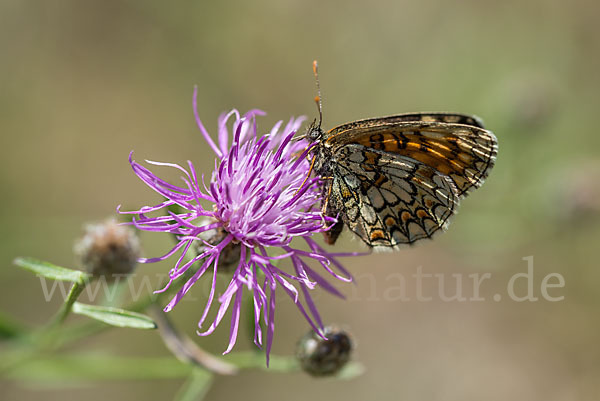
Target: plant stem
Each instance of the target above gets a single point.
(76, 290)
(186, 350)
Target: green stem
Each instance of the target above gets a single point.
(76, 290)
(186, 350)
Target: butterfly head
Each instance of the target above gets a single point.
(314, 133)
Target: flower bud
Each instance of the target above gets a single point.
(320, 357)
(108, 249)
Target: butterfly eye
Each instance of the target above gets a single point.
(314, 134)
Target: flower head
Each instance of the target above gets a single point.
(108, 249)
(324, 357)
(256, 203)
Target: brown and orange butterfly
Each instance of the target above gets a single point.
(398, 179)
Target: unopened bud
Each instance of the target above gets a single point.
(320, 357)
(108, 249)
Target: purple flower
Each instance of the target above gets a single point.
(258, 203)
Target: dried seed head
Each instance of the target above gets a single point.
(108, 249)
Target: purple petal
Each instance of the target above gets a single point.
(203, 131)
(186, 287)
(270, 324)
(235, 320)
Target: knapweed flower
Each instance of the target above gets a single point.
(256, 203)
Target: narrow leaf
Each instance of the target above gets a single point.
(51, 271)
(114, 316)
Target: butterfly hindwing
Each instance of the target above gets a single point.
(387, 199)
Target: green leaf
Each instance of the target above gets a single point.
(114, 316)
(196, 387)
(51, 271)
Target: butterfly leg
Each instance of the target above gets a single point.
(329, 210)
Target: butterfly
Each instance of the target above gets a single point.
(396, 180)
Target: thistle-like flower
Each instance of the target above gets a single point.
(256, 203)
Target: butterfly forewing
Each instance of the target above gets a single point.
(453, 118)
(465, 153)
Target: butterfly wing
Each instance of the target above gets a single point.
(440, 117)
(388, 199)
(464, 153)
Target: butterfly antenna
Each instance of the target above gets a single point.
(318, 97)
(320, 108)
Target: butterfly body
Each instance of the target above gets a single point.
(395, 180)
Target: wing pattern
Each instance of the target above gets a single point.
(396, 180)
(389, 200)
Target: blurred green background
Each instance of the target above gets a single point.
(82, 83)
